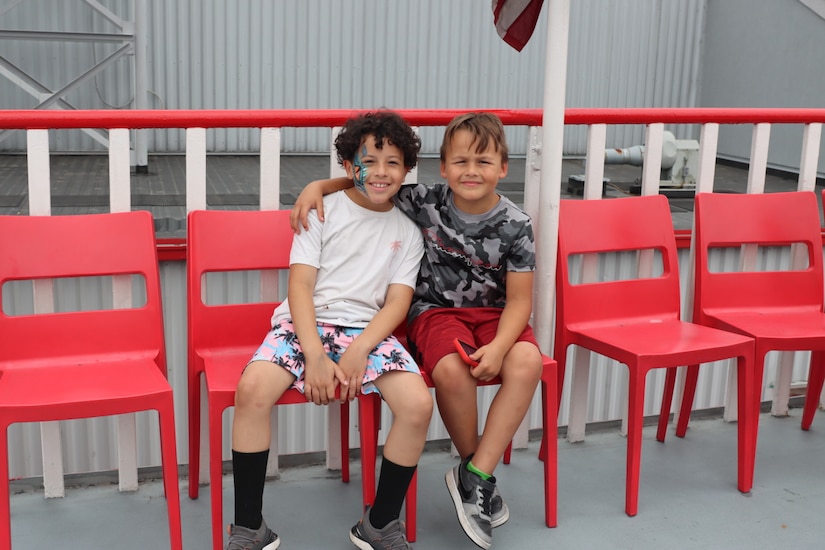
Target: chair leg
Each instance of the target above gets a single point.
(345, 442)
(560, 356)
(667, 402)
(194, 434)
(368, 434)
(411, 507)
(816, 378)
(687, 400)
(549, 449)
(5, 502)
(635, 422)
(749, 384)
(216, 475)
(169, 463)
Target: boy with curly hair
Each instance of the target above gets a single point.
(351, 282)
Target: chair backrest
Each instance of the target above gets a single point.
(34, 248)
(772, 219)
(226, 241)
(593, 227)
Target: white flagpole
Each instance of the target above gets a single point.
(555, 82)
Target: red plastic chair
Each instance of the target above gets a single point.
(222, 338)
(81, 364)
(548, 452)
(636, 321)
(781, 310)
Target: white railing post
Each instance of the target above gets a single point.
(799, 258)
(706, 171)
(120, 200)
(40, 204)
(756, 184)
(270, 199)
(580, 376)
(196, 200)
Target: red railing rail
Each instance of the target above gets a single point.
(304, 118)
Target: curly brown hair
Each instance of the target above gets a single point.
(386, 127)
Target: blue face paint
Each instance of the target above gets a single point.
(359, 171)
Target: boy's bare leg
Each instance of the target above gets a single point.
(520, 375)
(411, 404)
(260, 386)
(457, 396)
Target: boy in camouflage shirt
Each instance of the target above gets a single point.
(475, 284)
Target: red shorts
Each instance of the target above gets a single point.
(432, 332)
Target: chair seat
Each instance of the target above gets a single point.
(660, 343)
(77, 389)
(801, 329)
(223, 368)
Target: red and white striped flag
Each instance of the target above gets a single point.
(515, 20)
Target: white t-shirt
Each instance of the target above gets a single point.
(358, 254)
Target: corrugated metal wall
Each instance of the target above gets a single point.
(315, 54)
(90, 445)
(774, 60)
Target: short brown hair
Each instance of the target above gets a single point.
(484, 127)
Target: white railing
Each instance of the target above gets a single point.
(119, 123)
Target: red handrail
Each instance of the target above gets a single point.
(302, 118)
(175, 249)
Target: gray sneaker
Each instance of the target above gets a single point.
(242, 538)
(472, 498)
(391, 537)
(500, 513)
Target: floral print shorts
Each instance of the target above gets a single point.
(280, 346)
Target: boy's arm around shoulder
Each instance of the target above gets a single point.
(312, 197)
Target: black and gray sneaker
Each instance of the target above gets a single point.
(499, 512)
(391, 537)
(472, 498)
(243, 538)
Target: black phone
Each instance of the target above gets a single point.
(465, 350)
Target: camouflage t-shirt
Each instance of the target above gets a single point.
(467, 256)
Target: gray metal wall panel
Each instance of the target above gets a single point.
(316, 54)
(770, 60)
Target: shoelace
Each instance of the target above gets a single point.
(483, 501)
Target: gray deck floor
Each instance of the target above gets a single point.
(688, 500)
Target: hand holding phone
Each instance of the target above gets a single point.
(465, 350)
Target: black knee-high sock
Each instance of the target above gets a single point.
(249, 471)
(392, 488)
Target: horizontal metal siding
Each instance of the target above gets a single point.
(90, 445)
(359, 54)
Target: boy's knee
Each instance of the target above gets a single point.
(453, 376)
(250, 387)
(418, 407)
(524, 362)
(422, 406)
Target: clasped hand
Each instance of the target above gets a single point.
(324, 376)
